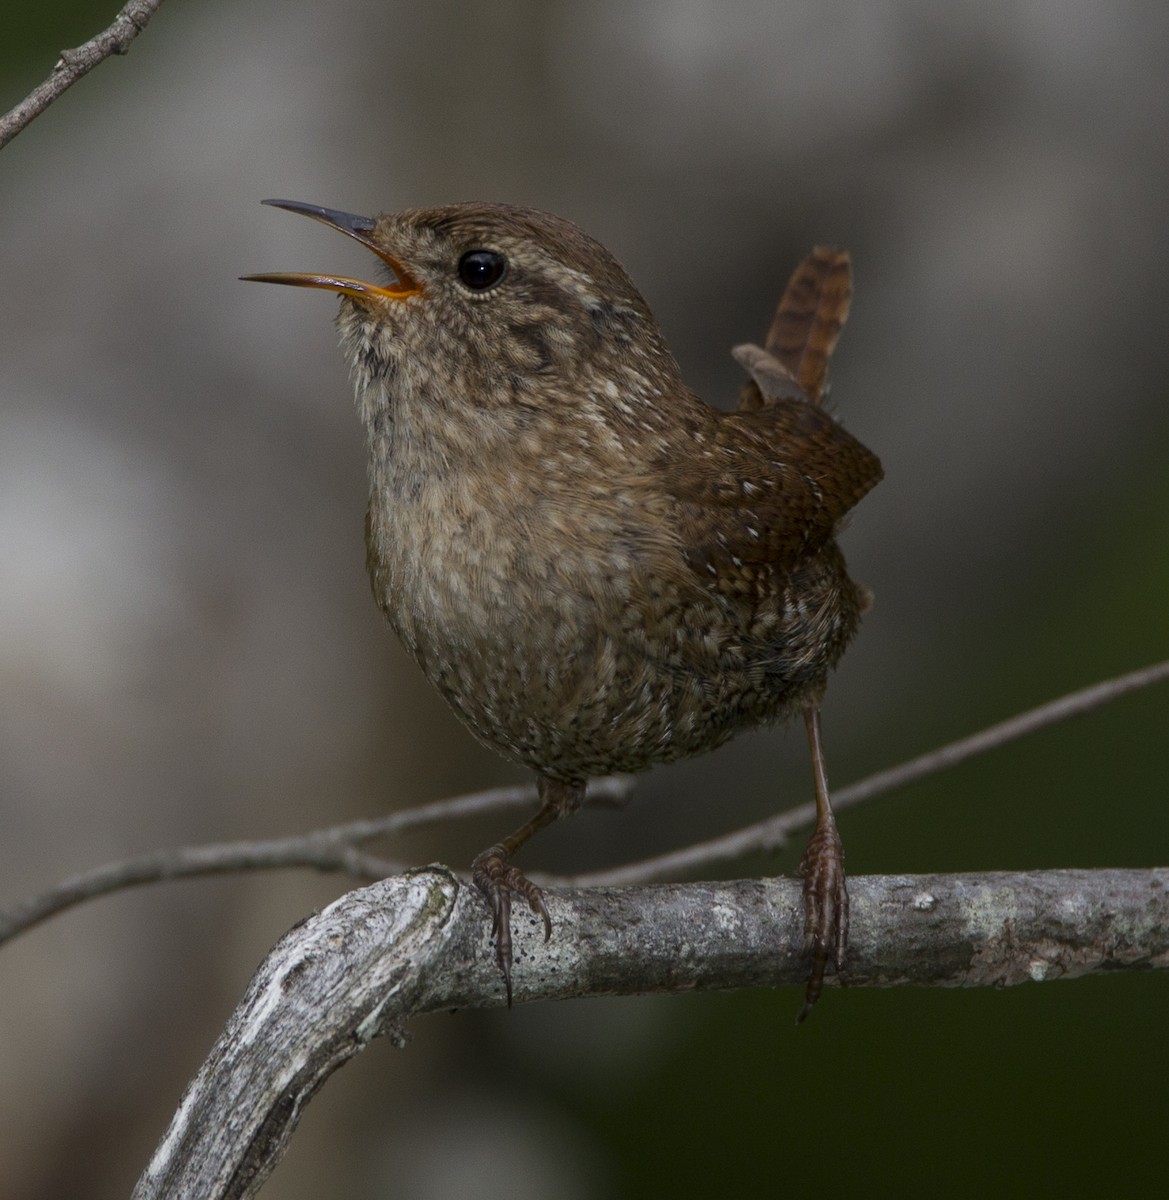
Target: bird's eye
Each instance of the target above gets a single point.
(482, 269)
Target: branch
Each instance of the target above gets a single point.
(770, 834)
(418, 943)
(333, 849)
(73, 64)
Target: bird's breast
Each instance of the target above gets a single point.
(556, 610)
(471, 564)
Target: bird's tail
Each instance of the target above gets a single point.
(793, 362)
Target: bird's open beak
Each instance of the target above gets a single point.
(358, 228)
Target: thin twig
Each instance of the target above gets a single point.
(73, 64)
(332, 849)
(774, 832)
(329, 849)
(611, 789)
(307, 850)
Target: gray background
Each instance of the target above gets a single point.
(189, 652)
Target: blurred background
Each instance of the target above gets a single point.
(189, 651)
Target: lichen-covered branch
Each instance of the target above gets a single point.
(418, 943)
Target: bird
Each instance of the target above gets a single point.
(598, 570)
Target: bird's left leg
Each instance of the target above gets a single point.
(497, 879)
(822, 869)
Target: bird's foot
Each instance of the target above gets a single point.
(825, 908)
(497, 879)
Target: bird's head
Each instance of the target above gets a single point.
(490, 305)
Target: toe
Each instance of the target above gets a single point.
(826, 909)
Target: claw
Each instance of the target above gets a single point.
(497, 880)
(825, 908)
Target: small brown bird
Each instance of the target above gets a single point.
(594, 567)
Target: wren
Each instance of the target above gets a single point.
(595, 568)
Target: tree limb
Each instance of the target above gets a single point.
(774, 832)
(333, 849)
(418, 943)
(73, 64)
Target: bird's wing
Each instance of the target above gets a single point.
(770, 483)
(766, 488)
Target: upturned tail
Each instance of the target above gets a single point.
(794, 359)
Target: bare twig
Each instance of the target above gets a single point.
(418, 943)
(73, 64)
(774, 832)
(307, 850)
(332, 849)
(323, 849)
